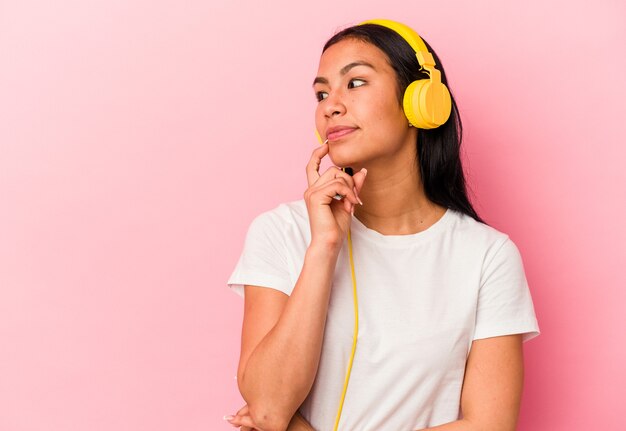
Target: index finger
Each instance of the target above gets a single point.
(313, 167)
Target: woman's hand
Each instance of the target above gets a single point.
(243, 420)
(330, 218)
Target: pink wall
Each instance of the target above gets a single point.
(139, 139)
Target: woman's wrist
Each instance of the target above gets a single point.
(324, 251)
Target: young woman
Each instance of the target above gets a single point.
(443, 303)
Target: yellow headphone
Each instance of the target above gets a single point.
(426, 102)
(427, 105)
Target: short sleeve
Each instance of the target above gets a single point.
(262, 261)
(505, 304)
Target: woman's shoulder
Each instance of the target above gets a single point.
(282, 215)
(475, 239)
(468, 229)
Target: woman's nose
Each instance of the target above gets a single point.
(334, 105)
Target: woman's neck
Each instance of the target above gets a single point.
(394, 202)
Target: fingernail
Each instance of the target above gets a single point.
(229, 418)
(357, 196)
(364, 171)
(352, 209)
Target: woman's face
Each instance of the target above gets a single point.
(358, 109)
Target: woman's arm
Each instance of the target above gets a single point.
(282, 335)
(282, 341)
(492, 387)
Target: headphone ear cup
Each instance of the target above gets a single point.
(427, 104)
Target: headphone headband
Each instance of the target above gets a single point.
(405, 31)
(424, 57)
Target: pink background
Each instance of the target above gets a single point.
(139, 139)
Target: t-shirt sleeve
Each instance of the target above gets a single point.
(263, 259)
(505, 304)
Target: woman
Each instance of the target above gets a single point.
(443, 301)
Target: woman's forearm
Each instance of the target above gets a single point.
(281, 370)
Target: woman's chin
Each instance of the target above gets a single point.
(343, 163)
(342, 160)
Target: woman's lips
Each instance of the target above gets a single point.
(333, 136)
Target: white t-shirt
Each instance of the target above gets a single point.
(422, 299)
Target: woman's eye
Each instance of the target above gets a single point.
(321, 95)
(355, 83)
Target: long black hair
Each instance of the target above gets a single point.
(438, 149)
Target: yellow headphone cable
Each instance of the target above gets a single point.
(356, 332)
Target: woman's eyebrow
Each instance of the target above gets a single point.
(347, 67)
(343, 71)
